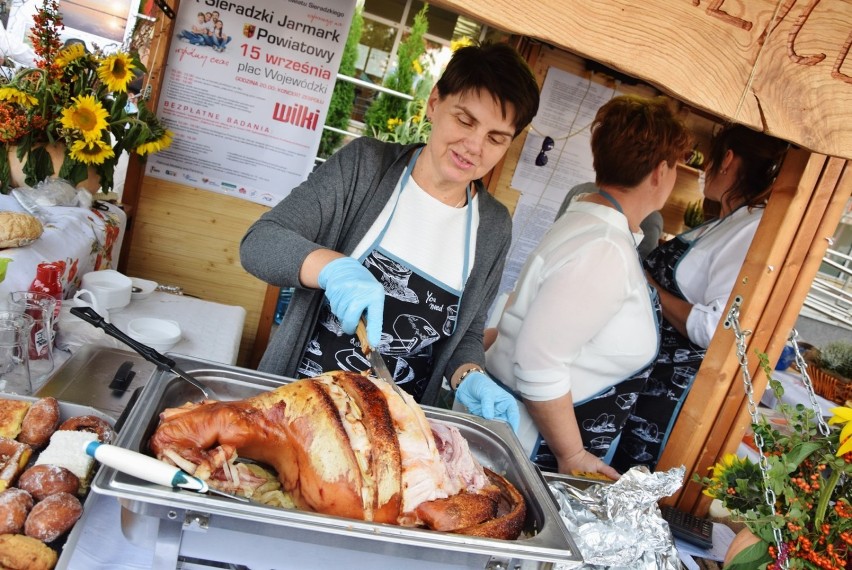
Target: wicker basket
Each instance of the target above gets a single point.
(830, 387)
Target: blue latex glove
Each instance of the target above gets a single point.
(351, 289)
(483, 397)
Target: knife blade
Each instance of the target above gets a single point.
(151, 469)
(377, 363)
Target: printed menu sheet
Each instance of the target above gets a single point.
(568, 106)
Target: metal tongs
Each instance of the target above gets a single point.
(151, 469)
(92, 317)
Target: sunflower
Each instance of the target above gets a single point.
(17, 96)
(843, 415)
(70, 54)
(116, 71)
(86, 115)
(91, 152)
(156, 145)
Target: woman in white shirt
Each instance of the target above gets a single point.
(579, 331)
(694, 275)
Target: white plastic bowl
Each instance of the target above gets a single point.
(159, 334)
(145, 287)
(111, 288)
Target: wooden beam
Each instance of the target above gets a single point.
(779, 66)
(264, 325)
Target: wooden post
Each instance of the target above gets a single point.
(159, 51)
(805, 208)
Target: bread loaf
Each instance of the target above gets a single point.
(18, 229)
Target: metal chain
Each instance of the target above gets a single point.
(806, 380)
(733, 320)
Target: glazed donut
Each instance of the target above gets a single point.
(19, 552)
(92, 424)
(41, 481)
(53, 517)
(13, 458)
(15, 504)
(40, 422)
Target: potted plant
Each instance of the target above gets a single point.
(73, 104)
(810, 475)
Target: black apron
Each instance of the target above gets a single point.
(649, 426)
(419, 313)
(602, 417)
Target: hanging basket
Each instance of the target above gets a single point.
(829, 386)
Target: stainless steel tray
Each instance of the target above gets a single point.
(68, 410)
(545, 537)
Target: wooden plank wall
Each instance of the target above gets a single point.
(189, 237)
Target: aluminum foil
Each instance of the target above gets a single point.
(617, 526)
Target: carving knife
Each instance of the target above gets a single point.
(377, 363)
(151, 469)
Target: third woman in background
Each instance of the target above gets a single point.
(579, 332)
(694, 274)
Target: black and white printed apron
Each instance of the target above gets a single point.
(647, 430)
(602, 416)
(420, 312)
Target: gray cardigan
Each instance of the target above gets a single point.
(334, 208)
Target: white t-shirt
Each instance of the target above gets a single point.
(580, 318)
(428, 234)
(707, 273)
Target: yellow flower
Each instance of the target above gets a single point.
(116, 71)
(728, 460)
(843, 415)
(70, 54)
(418, 69)
(156, 145)
(17, 96)
(91, 152)
(87, 115)
(393, 122)
(463, 41)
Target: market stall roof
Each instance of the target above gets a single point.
(779, 66)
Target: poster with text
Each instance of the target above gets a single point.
(246, 92)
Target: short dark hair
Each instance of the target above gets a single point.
(631, 135)
(500, 70)
(760, 155)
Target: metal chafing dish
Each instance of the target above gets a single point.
(161, 518)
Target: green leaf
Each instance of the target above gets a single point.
(753, 557)
(38, 166)
(800, 452)
(5, 170)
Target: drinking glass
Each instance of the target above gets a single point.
(41, 307)
(14, 353)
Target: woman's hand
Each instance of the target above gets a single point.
(351, 290)
(483, 397)
(585, 462)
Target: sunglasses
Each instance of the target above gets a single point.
(546, 145)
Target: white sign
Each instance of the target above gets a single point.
(246, 92)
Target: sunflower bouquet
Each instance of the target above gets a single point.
(77, 99)
(810, 475)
